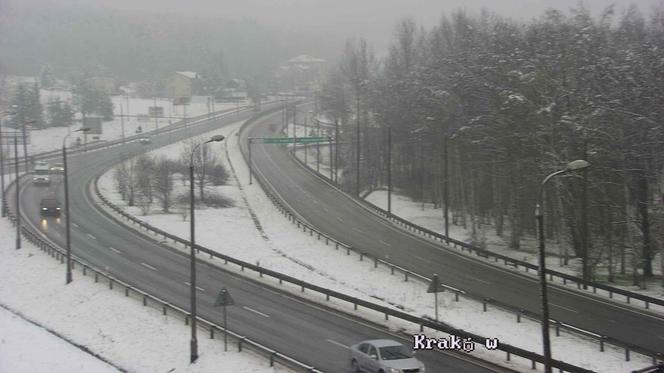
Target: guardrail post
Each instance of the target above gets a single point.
(96, 277)
(375, 263)
(610, 294)
(601, 343)
(628, 298)
(302, 289)
(272, 359)
(327, 296)
(186, 320)
(557, 328)
(164, 309)
(564, 281)
(212, 332)
(85, 268)
(405, 276)
(110, 284)
(626, 353)
(386, 317)
(484, 305)
(647, 305)
(391, 269)
(355, 306)
(533, 364)
(421, 328)
(508, 356)
(239, 344)
(347, 251)
(518, 316)
(145, 300)
(456, 296)
(361, 256)
(127, 291)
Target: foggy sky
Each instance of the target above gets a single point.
(371, 19)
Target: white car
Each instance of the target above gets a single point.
(144, 140)
(383, 356)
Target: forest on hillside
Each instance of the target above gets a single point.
(510, 103)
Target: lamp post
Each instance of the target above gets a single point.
(18, 188)
(192, 244)
(2, 160)
(546, 343)
(68, 276)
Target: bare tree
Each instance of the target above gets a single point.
(163, 181)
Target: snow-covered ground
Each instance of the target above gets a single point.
(119, 330)
(425, 215)
(51, 138)
(279, 245)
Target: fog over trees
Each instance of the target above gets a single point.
(514, 102)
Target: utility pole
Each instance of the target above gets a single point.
(357, 151)
(389, 168)
(336, 151)
(156, 121)
(584, 212)
(306, 147)
(446, 187)
(25, 147)
(317, 146)
(2, 172)
(122, 124)
(18, 188)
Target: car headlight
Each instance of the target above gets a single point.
(57, 208)
(422, 367)
(393, 370)
(44, 208)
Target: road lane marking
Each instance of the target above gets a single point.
(482, 281)
(75, 225)
(358, 230)
(148, 266)
(91, 236)
(340, 219)
(338, 344)
(385, 243)
(114, 249)
(255, 311)
(197, 287)
(565, 308)
(422, 259)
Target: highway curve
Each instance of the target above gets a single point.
(301, 329)
(338, 216)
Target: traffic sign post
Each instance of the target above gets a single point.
(224, 299)
(435, 288)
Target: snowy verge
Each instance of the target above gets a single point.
(118, 329)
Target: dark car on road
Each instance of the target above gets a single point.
(49, 206)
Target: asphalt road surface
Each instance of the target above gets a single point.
(338, 216)
(310, 333)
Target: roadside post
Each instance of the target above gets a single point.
(435, 288)
(224, 299)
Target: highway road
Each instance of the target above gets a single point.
(338, 216)
(310, 333)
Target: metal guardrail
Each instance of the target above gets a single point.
(422, 322)
(628, 347)
(58, 253)
(581, 283)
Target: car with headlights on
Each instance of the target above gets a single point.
(57, 168)
(49, 206)
(383, 356)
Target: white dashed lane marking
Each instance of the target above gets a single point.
(255, 311)
(337, 343)
(563, 307)
(148, 266)
(197, 287)
(91, 236)
(115, 250)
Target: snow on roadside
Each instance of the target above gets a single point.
(20, 340)
(119, 329)
(286, 249)
(425, 215)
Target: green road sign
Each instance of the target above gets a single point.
(291, 140)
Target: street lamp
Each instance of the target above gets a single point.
(68, 276)
(192, 244)
(576, 165)
(2, 160)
